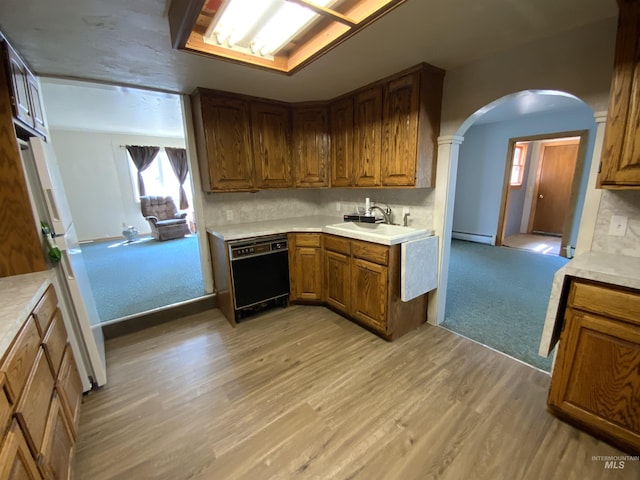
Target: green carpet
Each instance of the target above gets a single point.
(130, 278)
(498, 296)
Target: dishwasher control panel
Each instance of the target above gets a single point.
(256, 246)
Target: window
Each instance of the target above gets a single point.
(518, 164)
(159, 179)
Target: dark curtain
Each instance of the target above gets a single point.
(178, 160)
(142, 158)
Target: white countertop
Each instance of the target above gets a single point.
(18, 297)
(316, 223)
(617, 270)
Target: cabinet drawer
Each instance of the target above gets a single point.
(307, 239)
(31, 411)
(58, 445)
(370, 251)
(69, 388)
(337, 244)
(45, 309)
(15, 459)
(609, 301)
(20, 357)
(55, 342)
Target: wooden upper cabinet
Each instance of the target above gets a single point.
(271, 133)
(367, 137)
(342, 143)
(37, 110)
(311, 146)
(621, 149)
(20, 87)
(222, 126)
(400, 131)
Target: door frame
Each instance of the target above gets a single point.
(575, 184)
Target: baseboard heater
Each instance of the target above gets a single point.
(474, 237)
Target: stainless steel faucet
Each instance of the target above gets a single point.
(405, 219)
(386, 213)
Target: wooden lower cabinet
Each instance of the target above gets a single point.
(362, 281)
(16, 462)
(58, 447)
(369, 293)
(596, 379)
(40, 392)
(305, 267)
(337, 283)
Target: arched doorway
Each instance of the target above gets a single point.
(524, 104)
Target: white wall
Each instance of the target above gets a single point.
(95, 172)
(481, 166)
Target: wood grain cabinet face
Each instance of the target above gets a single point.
(37, 110)
(69, 388)
(271, 133)
(305, 267)
(337, 281)
(621, 148)
(58, 447)
(369, 293)
(367, 112)
(54, 343)
(31, 411)
(46, 307)
(311, 155)
(596, 379)
(400, 131)
(342, 143)
(223, 135)
(16, 462)
(19, 360)
(20, 87)
(5, 408)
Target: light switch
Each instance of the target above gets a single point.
(618, 225)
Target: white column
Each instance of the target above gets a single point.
(593, 194)
(445, 193)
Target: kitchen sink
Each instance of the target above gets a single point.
(382, 233)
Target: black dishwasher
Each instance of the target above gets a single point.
(259, 272)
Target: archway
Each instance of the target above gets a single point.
(448, 156)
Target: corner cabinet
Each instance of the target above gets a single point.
(596, 379)
(620, 166)
(271, 133)
(223, 139)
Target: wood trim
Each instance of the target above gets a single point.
(326, 12)
(222, 277)
(504, 196)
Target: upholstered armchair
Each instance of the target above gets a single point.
(163, 217)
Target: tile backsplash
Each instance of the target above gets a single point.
(625, 203)
(240, 207)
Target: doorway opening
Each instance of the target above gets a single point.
(540, 192)
(497, 295)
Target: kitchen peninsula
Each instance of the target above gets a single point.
(355, 269)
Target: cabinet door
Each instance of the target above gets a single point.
(19, 73)
(337, 281)
(16, 462)
(369, 293)
(224, 148)
(367, 141)
(69, 388)
(306, 278)
(311, 147)
(596, 379)
(271, 132)
(342, 143)
(55, 342)
(56, 457)
(400, 131)
(621, 147)
(35, 102)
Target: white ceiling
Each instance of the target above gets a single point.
(127, 42)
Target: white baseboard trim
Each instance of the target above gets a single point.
(472, 237)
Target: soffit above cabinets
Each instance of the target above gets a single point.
(307, 28)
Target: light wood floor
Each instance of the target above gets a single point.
(303, 393)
